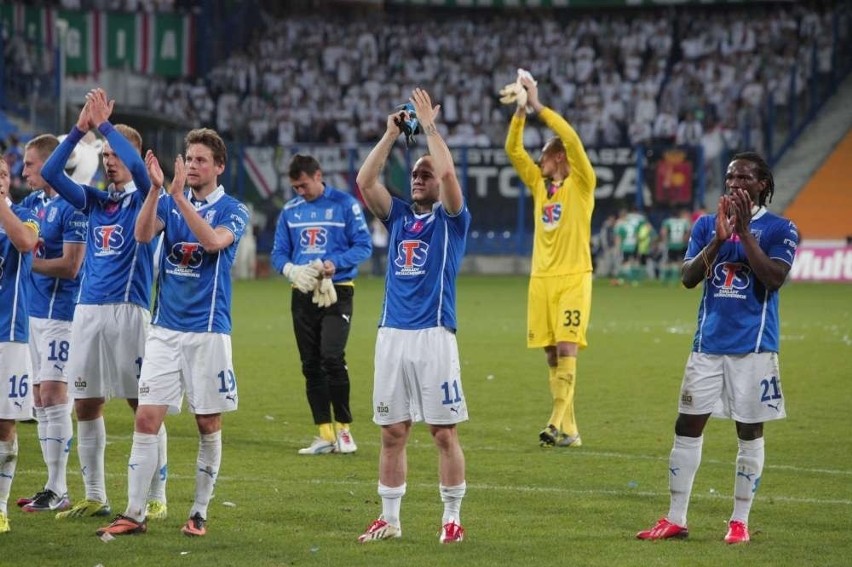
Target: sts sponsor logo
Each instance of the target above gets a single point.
(313, 239)
(411, 257)
(109, 239)
(185, 258)
(550, 215)
(730, 279)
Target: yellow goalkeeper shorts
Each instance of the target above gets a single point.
(558, 309)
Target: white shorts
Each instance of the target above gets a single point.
(49, 347)
(16, 388)
(199, 364)
(109, 342)
(418, 377)
(743, 387)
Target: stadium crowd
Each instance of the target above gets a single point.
(697, 77)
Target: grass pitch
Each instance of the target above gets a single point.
(525, 505)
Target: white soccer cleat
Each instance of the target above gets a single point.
(380, 530)
(319, 447)
(345, 442)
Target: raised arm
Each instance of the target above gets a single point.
(53, 170)
(574, 150)
(100, 109)
(148, 225)
(442, 160)
(376, 196)
(211, 239)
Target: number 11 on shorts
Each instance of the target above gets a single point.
(451, 392)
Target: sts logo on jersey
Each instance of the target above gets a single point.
(109, 239)
(185, 258)
(550, 215)
(411, 257)
(730, 279)
(313, 239)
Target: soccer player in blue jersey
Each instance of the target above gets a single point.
(112, 315)
(417, 371)
(743, 254)
(55, 282)
(189, 346)
(321, 233)
(19, 231)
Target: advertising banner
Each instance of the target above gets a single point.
(823, 262)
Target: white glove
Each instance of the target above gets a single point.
(520, 97)
(325, 295)
(514, 93)
(303, 276)
(524, 74)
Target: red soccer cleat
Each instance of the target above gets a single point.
(664, 529)
(737, 532)
(451, 532)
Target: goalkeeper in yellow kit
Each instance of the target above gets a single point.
(562, 184)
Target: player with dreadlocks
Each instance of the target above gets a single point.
(743, 254)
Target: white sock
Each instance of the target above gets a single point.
(749, 471)
(207, 471)
(157, 491)
(452, 496)
(59, 433)
(141, 466)
(8, 464)
(683, 464)
(41, 427)
(391, 502)
(91, 444)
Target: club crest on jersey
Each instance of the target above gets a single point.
(411, 257)
(415, 226)
(109, 239)
(550, 215)
(731, 279)
(313, 239)
(185, 258)
(51, 216)
(2, 270)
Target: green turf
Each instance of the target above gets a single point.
(525, 505)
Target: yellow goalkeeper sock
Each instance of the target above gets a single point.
(569, 420)
(341, 426)
(326, 431)
(562, 389)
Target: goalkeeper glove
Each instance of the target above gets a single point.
(514, 93)
(303, 277)
(325, 295)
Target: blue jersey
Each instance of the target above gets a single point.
(14, 285)
(194, 286)
(737, 314)
(331, 227)
(425, 254)
(54, 298)
(117, 269)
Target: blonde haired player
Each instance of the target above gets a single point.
(562, 184)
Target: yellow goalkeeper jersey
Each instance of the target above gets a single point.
(563, 221)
